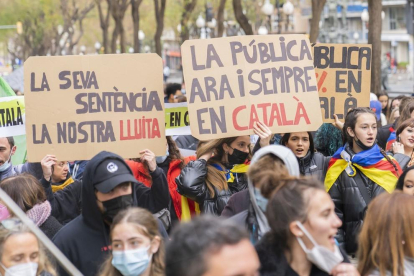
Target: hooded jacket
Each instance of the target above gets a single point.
(314, 164)
(252, 214)
(85, 240)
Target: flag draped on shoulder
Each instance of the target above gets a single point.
(239, 168)
(391, 139)
(370, 162)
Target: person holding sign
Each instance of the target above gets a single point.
(311, 163)
(21, 254)
(358, 172)
(219, 171)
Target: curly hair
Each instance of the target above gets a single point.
(328, 139)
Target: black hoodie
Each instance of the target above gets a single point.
(85, 240)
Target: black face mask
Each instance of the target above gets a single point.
(113, 206)
(238, 157)
(361, 145)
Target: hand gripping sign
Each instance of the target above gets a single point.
(78, 106)
(234, 82)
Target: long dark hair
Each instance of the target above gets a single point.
(286, 136)
(384, 110)
(350, 122)
(400, 182)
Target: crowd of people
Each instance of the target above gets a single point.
(335, 202)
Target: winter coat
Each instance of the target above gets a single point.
(252, 217)
(350, 205)
(85, 240)
(34, 169)
(314, 164)
(142, 174)
(50, 227)
(273, 261)
(191, 183)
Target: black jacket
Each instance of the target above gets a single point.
(192, 184)
(350, 205)
(314, 164)
(273, 261)
(237, 203)
(85, 240)
(50, 227)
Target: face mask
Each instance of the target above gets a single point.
(361, 145)
(26, 269)
(238, 157)
(131, 262)
(4, 212)
(6, 164)
(320, 256)
(113, 206)
(260, 199)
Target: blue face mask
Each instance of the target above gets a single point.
(260, 199)
(131, 262)
(6, 164)
(161, 159)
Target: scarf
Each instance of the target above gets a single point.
(370, 162)
(56, 188)
(40, 213)
(239, 168)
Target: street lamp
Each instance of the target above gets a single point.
(262, 30)
(131, 50)
(141, 37)
(356, 37)
(364, 18)
(97, 47)
(200, 22)
(82, 49)
(288, 9)
(267, 8)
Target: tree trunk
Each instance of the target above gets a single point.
(317, 8)
(115, 34)
(118, 13)
(241, 17)
(104, 23)
(374, 38)
(135, 18)
(188, 8)
(159, 17)
(220, 18)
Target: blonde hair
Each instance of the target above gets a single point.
(20, 228)
(387, 235)
(215, 178)
(147, 225)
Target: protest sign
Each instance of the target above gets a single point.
(233, 82)
(78, 106)
(344, 77)
(12, 116)
(176, 119)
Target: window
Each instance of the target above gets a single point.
(397, 18)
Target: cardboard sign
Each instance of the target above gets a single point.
(176, 119)
(233, 82)
(344, 78)
(78, 106)
(12, 116)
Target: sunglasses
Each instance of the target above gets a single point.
(11, 224)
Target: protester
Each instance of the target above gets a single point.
(20, 251)
(311, 163)
(172, 91)
(137, 246)
(247, 207)
(405, 182)
(404, 143)
(212, 179)
(384, 99)
(328, 139)
(405, 114)
(385, 131)
(61, 177)
(7, 150)
(171, 164)
(358, 172)
(28, 194)
(303, 224)
(377, 108)
(210, 246)
(386, 242)
(108, 187)
(67, 203)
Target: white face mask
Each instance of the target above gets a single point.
(320, 256)
(26, 269)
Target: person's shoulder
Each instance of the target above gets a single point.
(70, 231)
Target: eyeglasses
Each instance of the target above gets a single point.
(11, 223)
